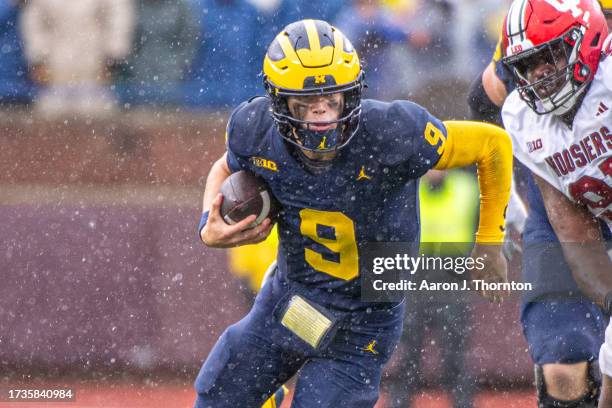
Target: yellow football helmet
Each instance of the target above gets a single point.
(311, 57)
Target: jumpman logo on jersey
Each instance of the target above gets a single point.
(362, 174)
(370, 347)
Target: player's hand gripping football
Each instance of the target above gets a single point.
(495, 271)
(218, 234)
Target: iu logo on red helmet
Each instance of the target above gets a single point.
(553, 48)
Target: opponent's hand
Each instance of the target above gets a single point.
(217, 234)
(495, 271)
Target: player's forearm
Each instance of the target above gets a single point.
(218, 173)
(581, 241)
(588, 261)
(590, 268)
(490, 148)
(493, 86)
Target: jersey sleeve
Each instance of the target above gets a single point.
(246, 133)
(236, 160)
(423, 133)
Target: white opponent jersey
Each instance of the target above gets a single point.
(576, 161)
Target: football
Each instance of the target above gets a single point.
(245, 194)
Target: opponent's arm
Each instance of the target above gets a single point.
(493, 86)
(486, 96)
(490, 148)
(215, 232)
(580, 237)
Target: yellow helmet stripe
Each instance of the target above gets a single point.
(313, 35)
(310, 54)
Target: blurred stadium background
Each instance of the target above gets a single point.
(112, 113)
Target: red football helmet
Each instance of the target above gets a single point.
(553, 48)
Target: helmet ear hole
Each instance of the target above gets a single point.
(581, 72)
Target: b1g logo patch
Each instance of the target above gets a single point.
(265, 163)
(534, 145)
(517, 48)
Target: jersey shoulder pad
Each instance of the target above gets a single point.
(248, 126)
(395, 131)
(396, 120)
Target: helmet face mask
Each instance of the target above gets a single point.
(553, 50)
(545, 74)
(311, 59)
(317, 138)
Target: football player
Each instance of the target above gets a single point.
(345, 172)
(560, 125)
(564, 349)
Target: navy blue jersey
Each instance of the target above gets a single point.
(502, 71)
(369, 195)
(504, 74)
